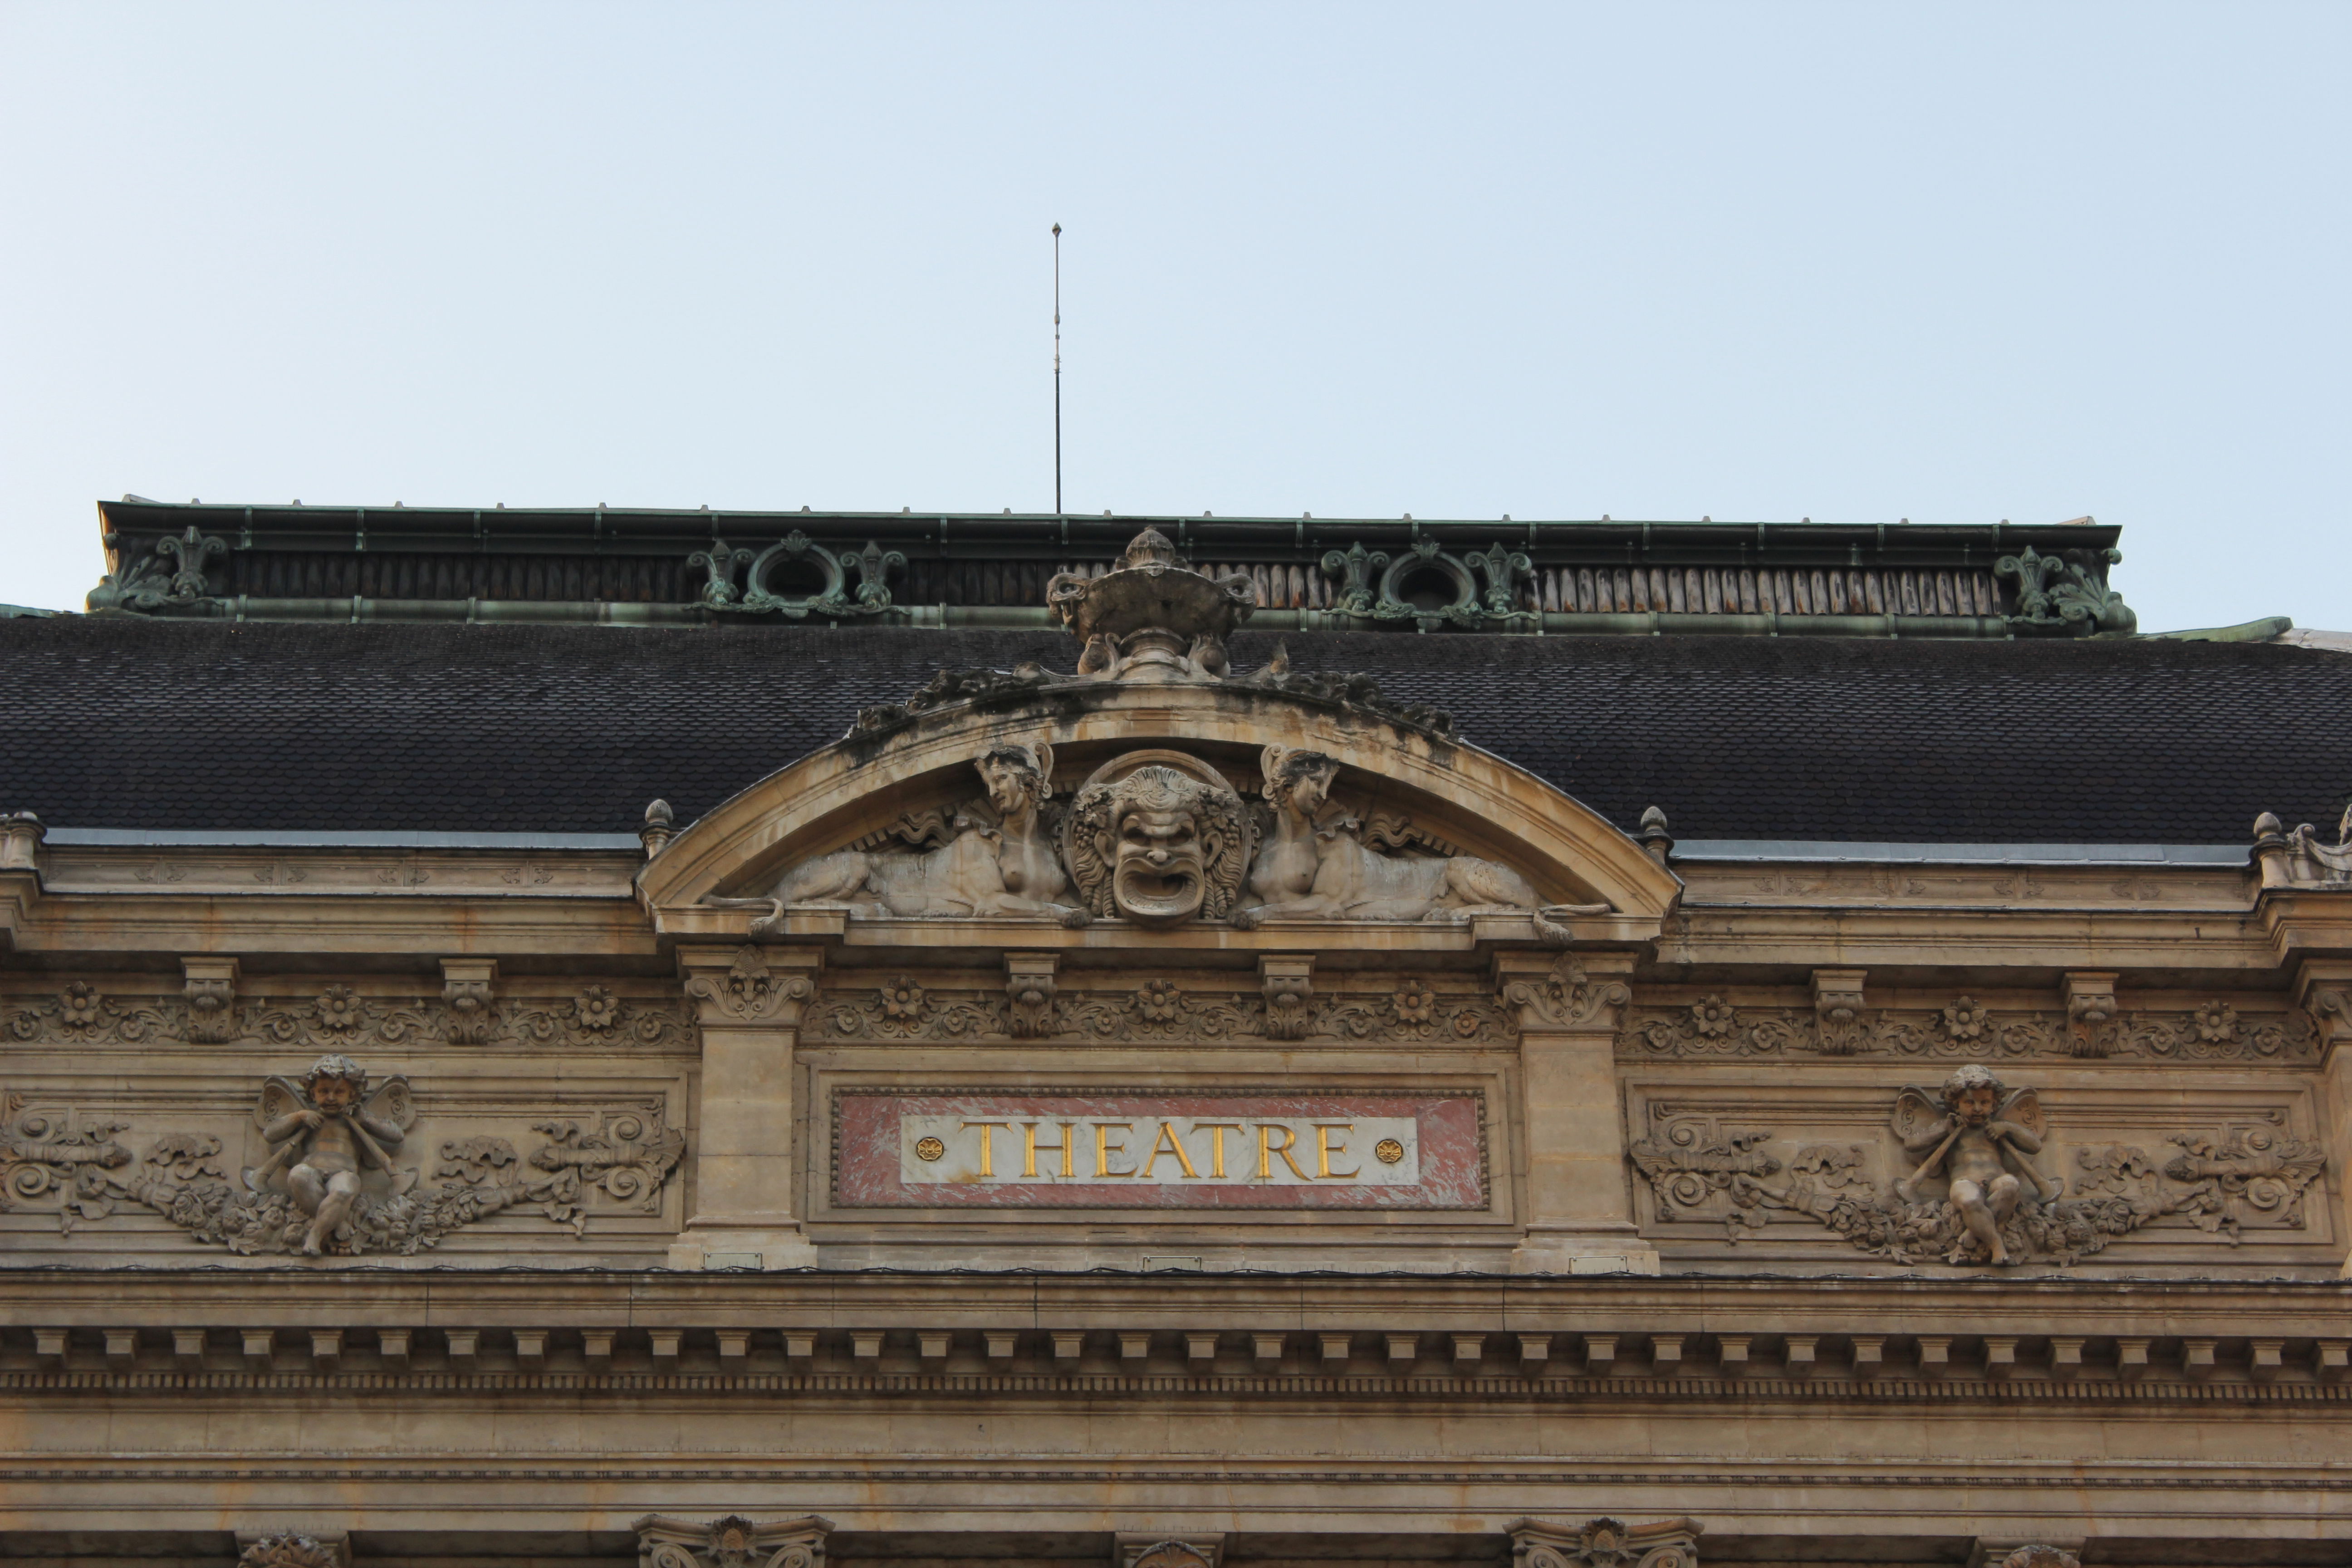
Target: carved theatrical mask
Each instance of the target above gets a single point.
(1159, 838)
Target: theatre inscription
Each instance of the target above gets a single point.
(1103, 1149)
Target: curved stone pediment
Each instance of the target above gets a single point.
(1098, 812)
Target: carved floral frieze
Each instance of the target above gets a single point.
(1399, 1009)
(616, 1158)
(2211, 1031)
(340, 1018)
(2241, 1176)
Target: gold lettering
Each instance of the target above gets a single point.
(1267, 1148)
(1031, 1149)
(1323, 1151)
(987, 1139)
(1166, 1143)
(1217, 1130)
(1103, 1149)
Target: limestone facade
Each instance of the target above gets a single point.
(1171, 1116)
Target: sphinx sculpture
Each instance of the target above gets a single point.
(1317, 864)
(992, 858)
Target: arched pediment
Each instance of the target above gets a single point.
(1444, 836)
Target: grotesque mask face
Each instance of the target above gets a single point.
(1158, 844)
(1156, 873)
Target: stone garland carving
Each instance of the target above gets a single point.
(2213, 1031)
(340, 1018)
(1980, 1139)
(333, 1183)
(1156, 1010)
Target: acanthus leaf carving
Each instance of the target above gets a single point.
(332, 1184)
(1158, 1009)
(1565, 996)
(731, 1541)
(1977, 1140)
(1605, 1544)
(2212, 1031)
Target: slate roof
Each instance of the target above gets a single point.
(126, 722)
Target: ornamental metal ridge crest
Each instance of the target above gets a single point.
(1151, 618)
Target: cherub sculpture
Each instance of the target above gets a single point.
(328, 1130)
(1979, 1136)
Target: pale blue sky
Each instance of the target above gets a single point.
(1851, 262)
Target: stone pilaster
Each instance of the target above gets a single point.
(2324, 987)
(1571, 1131)
(749, 1002)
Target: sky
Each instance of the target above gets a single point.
(1754, 261)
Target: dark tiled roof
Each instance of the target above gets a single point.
(119, 723)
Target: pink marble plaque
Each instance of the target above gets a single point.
(1229, 1148)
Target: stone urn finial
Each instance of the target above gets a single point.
(1152, 617)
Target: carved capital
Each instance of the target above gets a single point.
(749, 985)
(1029, 986)
(466, 986)
(1147, 1548)
(732, 1541)
(316, 1549)
(211, 986)
(1605, 1544)
(1289, 985)
(2324, 988)
(1566, 993)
